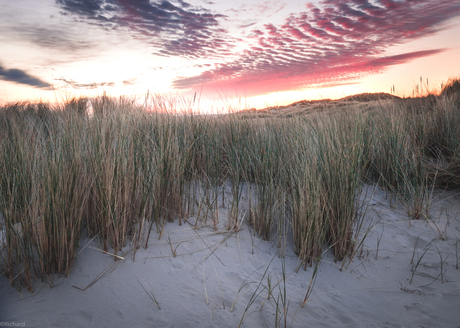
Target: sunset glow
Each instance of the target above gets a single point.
(241, 54)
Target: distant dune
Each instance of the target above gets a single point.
(360, 101)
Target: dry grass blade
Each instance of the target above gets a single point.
(210, 249)
(149, 293)
(105, 272)
(102, 251)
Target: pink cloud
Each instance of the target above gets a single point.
(332, 43)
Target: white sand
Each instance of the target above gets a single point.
(198, 287)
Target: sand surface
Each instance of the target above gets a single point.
(217, 277)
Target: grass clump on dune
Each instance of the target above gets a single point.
(123, 171)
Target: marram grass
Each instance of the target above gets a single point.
(122, 172)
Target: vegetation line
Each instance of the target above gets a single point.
(121, 171)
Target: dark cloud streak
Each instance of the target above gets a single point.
(19, 76)
(402, 58)
(75, 85)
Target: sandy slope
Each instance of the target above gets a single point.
(215, 270)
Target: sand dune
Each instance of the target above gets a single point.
(217, 277)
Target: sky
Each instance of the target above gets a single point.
(239, 53)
